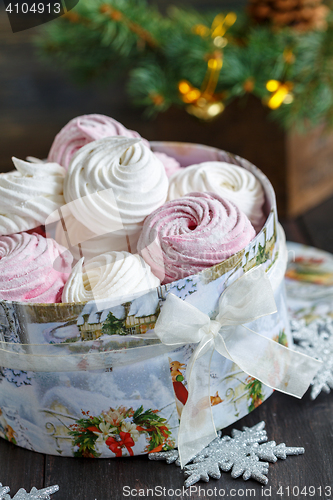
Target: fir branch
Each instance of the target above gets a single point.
(107, 38)
(118, 16)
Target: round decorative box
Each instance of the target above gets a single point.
(90, 379)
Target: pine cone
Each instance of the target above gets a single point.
(302, 14)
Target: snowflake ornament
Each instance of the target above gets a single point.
(316, 340)
(3, 491)
(240, 453)
(34, 494)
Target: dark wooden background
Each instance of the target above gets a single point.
(35, 102)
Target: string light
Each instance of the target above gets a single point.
(281, 90)
(204, 103)
(281, 93)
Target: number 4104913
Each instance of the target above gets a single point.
(35, 8)
(311, 491)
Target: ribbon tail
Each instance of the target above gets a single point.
(273, 364)
(197, 428)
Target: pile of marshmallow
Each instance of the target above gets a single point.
(127, 219)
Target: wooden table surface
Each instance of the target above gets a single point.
(295, 422)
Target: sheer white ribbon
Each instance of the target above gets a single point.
(247, 299)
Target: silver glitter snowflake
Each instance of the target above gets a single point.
(316, 340)
(34, 494)
(240, 453)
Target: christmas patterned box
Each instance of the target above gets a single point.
(94, 380)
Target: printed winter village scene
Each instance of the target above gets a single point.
(134, 407)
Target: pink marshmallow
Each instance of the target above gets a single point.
(194, 232)
(81, 131)
(32, 268)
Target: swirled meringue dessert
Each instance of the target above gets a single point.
(231, 182)
(32, 268)
(29, 194)
(191, 233)
(88, 128)
(129, 180)
(81, 131)
(110, 275)
(110, 216)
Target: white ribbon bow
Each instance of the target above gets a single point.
(247, 299)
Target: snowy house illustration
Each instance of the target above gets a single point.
(140, 318)
(135, 317)
(90, 326)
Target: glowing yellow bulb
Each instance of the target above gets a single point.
(288, 99)
(215, 109)
(219, 19)
(272, 85)
(278, 98)
(184, 87)
(219, 31)
(215, 64)
(230, 19)
(220, 42)
(192, 95)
